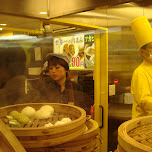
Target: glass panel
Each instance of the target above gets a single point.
(22, 67)
(81, 51)
(21, 63)
(124, 57)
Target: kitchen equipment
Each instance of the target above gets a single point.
(34, 135)
(87, 142)
(135, 135)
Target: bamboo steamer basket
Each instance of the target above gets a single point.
(34, 135)
(87, 142)
(135, 135)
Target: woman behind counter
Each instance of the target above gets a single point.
(60, 89)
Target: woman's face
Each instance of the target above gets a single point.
(57, 72)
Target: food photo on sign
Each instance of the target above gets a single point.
(89, 51)
(73, 46)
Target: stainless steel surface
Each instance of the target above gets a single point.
(53, 8)
(31, 8)
(120, 111)
(25, 14)
(69, 7)
(112, 16)
(20, 22)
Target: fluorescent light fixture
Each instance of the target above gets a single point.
(1, 29)
(64, 29)
(3, 24)
(43, 12)
(17, 37)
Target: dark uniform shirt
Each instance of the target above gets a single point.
(51, 92)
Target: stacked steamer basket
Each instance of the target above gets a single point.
(135, 135)
(35, 134)
(87, 142)
(35, 137)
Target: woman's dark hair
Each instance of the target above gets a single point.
(55, 60)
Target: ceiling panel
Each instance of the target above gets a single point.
(30, 8)
(119, 15)
(20, 22)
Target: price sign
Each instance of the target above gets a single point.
(89, 38)
(75, 62)
(73, 46)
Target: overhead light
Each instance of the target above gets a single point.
(17, 37)
(64, 29)
(3, 24)
(1, 29)
(43, 12)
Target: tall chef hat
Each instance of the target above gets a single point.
(60, 56)
(142, 30)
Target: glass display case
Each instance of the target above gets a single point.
(103, 55)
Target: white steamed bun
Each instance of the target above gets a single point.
(65, 120)
(28, 111)
(48, 108)
(42, 114)
(48, 124)
(59, 123)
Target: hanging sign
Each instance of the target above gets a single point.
(73, 46)
(79, 48)
(89, 51)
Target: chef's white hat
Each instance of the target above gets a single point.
(142, 30)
